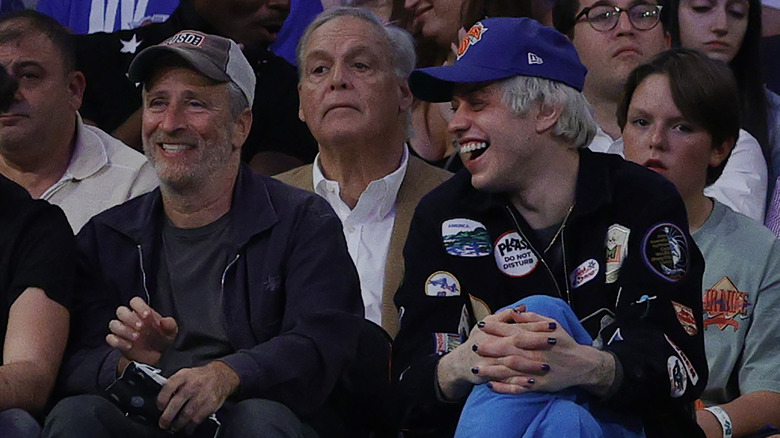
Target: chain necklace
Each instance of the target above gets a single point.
(560, 229)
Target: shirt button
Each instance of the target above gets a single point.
(350, 229)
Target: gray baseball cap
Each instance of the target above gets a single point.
(215, 57)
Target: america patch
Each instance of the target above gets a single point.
(446, 342)
(665, 250)
(442, 284)
(514, 255)
(617, 251)
(584, 273)
(686, 318)
(723, 303)
(465, 238)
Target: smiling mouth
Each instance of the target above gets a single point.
(175, 147)
(473, 150)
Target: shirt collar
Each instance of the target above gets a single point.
(89, 155)
(383, 190)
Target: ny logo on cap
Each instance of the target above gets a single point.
(472, 37)
(191, 38)
(534, 59)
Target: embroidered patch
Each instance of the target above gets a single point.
(616, 337)
(617, 250)
(665, 250)
(514, 255)
(694, 376)
(480, 308)
(442, 284)
(584, 273)
(190, 38)
(723, 303)
(686, 318)
(463, 326)
(677, 377)
(472, 37)
(465, 238)
(446, 342)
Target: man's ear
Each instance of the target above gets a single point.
(76, 85)
(300, 108)
(720, 152)
(405, 96)
(243, 125)
(546, 117)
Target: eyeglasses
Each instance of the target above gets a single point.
(643, 16)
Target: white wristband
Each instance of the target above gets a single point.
(723, 419)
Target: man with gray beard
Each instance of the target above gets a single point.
(238, 288)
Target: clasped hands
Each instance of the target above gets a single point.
(515, 351)
(191, 394)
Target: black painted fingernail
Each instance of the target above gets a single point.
(474, 347)
(475, 370)
(545, 367)
(490, 385)
(553, 326)
(551, 341)
(481, 324)
(531, 381)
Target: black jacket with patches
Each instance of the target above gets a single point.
(661, 265)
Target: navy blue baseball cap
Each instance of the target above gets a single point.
(500, 48)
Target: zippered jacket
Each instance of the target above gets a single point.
(624, 262)
(291, 293)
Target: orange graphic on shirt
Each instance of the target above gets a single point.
(722, 303)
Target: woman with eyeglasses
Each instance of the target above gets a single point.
(680, 117)
(730, 31)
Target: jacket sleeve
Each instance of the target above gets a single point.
(657, 333)
(320, 314)
(430, 326)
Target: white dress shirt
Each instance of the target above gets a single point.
(367, 228)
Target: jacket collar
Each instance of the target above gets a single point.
(252, 212)
(594, 187)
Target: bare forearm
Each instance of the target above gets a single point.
(25, 385)
(598, 371)
(749, 413)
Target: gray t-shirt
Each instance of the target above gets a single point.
(741, 294)
(189, 288)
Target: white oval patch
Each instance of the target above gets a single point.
(677, 377)
(584, 273)
(514, 255)
(442, 284)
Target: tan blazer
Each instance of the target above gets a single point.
(420, 179)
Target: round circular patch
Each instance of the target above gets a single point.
(665, 250)
(514, 255)
(442, 284)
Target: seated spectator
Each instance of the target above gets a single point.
(36, 282)
(278, 140)
(538, 214)
(730, 31)
(238, 287)
(611, 46)
(44, 145)
(773, 211)
(87, 16)
(680, 117)
(363, 169)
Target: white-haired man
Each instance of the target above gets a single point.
(576, 245)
